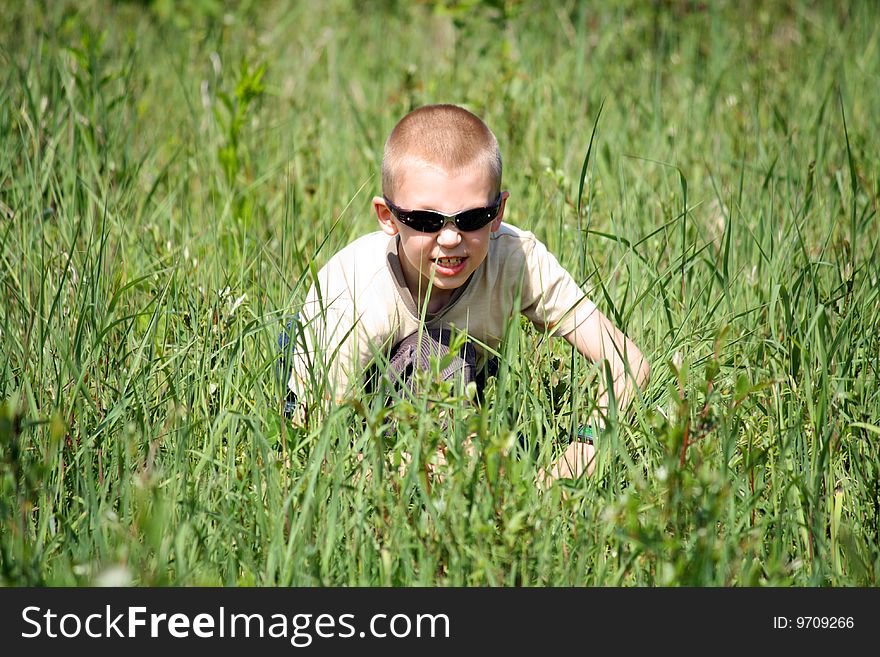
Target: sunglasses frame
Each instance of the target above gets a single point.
(410, 218)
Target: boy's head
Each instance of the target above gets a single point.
(444, 159)
(447, 137)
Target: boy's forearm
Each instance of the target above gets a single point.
(625, 380)
(598, 340)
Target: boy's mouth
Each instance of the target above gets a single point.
(449, 262)
(450, 266)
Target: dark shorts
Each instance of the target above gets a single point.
(411, 355)
(408, 357)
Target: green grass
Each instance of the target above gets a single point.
(168, 179)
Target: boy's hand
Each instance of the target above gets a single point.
(578, 458)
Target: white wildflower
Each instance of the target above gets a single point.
(235, 304)
(114, 576)
(216, 63)
(204, 91)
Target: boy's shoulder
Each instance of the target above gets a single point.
(356, 266)
(373, 243)
(509, 232)
(510, 242)
(362, 255)
(512, 249)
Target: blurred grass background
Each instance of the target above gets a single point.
(171, 172)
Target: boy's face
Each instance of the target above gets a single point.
(446, 258)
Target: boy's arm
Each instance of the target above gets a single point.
(598, 339)
(549, 292)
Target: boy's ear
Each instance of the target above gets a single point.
(383, 214)
(496, 223)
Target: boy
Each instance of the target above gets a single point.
(443, 256)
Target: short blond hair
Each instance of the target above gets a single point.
(445, 136)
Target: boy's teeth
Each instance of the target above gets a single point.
(449, 262)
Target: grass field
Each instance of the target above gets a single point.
(170, 176)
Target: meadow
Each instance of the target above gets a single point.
(172, 175)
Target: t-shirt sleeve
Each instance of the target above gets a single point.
(337, 329)
(325, 343)
(551, 298)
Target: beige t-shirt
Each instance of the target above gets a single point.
(361, 305)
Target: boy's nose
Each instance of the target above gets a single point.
(448, 235)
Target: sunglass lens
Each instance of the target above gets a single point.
(426, 221)
(475, 219)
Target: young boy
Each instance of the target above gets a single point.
(443, 256)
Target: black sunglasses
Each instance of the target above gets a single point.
(428, 221)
